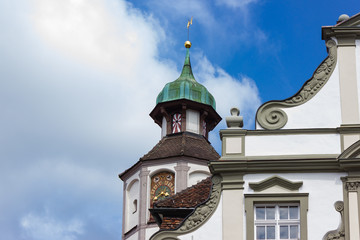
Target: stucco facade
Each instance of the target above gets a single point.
(297, 175)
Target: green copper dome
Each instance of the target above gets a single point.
(186, 87)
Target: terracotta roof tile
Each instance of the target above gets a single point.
(188, 198)
(183, 144)
(183, 203)
(171, 222)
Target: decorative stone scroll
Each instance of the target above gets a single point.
(201, 214)
(271, 116)
(338, 234)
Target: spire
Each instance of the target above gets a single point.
(186, 73)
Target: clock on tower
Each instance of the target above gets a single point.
(162, 186)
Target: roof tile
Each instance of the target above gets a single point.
(183, 144)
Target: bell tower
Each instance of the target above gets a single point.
(185, 105)
(186, 112)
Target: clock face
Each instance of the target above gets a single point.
(162, 186)
(162, 192)
(176, 123)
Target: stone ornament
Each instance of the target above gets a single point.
(271, 116)
(234, 121)
(201, 214)
(338, 234)
(352, 186)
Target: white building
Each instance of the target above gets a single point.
(297, 175)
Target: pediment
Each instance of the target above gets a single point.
(353, 21)
(275, 181)
(351, 152)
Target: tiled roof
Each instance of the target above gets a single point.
(171, 222)
(183, 144)
(190, 197)
(182, 202)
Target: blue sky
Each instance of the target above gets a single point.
(79, 78)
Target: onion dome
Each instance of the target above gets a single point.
(186, 87)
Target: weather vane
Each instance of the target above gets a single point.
(188, 26)
(188, 43)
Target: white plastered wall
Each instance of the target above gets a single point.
(192, 121)
(212, 229)
(322, 111)
(151, 231)
(132, 192)
(197, 173)
(324, 190)
(299, 144)
(357, 52)
(135, 236)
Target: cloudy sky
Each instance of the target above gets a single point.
(78, 79)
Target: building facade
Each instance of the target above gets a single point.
(297, 175)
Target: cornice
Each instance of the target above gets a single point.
(293, 131)
(280, 165)
(154, 162)
(269, 158)
(333, 31)
(343, 129)
(271, 116)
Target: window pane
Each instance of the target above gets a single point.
(294, 212)
(260, 232)
(284, 232)
(284, 212)
(270, 212)
(294, 231)
(270, 232)
(260, 213)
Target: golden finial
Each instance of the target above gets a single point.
(188, 43)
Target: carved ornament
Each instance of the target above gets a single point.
(201, 214)
(271, 116)
(352, 186)
(338, 234)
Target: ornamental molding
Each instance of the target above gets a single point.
(200, 215)
(339, 233)
(352, 186)
(271, 116)
(351, 152)
(275, 181)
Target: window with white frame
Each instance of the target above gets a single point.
(277, 221)
(281, 216)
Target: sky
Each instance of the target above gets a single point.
(78, 79)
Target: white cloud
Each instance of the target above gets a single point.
(79, 79)
(228, 91)
(45, 227)
(236, 3)
(183, 10)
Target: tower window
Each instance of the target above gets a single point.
(135, 206)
